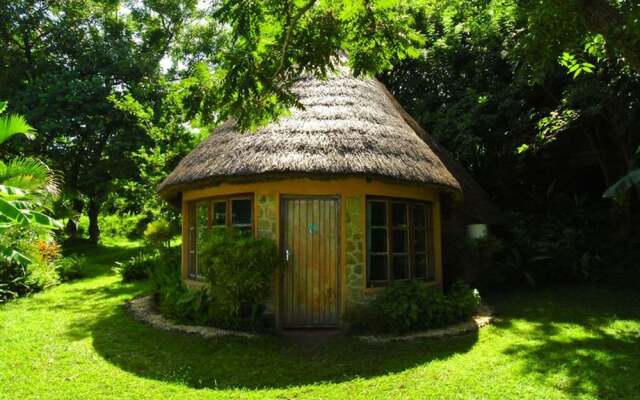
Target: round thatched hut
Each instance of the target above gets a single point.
(350, 187)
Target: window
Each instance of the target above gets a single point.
(219, 212)
(398, 241)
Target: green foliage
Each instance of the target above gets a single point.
(24, 184)
(159, 233)
(93, 50)
(474, 261)
(118, 226)
(409, 306)
(71, 267)
(263, 47)
(575, 66)
(13, 277)
(137, 267)
(13, 124)
(240, 271)
(564, 245)
(42, 275)
(176, 301)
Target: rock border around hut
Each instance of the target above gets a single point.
(483, 317)
(143, 309)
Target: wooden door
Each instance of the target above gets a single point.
(309, 295)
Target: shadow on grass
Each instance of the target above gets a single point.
(267, 362)
(583, 341)
(270, 362)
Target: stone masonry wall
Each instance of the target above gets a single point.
(355, 269)
(267, 223)
(267, 227)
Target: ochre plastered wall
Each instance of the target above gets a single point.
(352, 193)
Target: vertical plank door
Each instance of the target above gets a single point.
(309, 296)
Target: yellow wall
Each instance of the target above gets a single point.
(347, 187)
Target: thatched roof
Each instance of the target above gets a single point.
(349, 127)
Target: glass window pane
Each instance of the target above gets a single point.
(240, 212)
(202, 215)
(219, 213)
(399, 241)
(418, 216)
(421, 266)
(378, 240)
(420, 236)
(378, 268)
(377, 213)
(399, 214)
(400, 267)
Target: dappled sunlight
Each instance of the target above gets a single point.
(597, 355)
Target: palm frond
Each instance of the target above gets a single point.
(29, 174)
(14, 124)
(625, 183)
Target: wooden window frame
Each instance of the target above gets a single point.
(192, 263)
(410, 230)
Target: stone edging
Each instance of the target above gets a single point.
(142, 309)
(483, 318)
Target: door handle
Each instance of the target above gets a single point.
(287, 254)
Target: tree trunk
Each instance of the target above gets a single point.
(94, 228)
(71, 229)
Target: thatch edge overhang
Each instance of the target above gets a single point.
(172, 193)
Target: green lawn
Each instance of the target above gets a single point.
(76, 341)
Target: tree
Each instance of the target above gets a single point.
(74, 54)
(270, 44)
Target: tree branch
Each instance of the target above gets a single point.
(287, 39)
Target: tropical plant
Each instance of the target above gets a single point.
(25, 184)
(623, 184)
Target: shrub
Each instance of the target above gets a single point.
(239, 270)
(176, 301)
(159, 233)
(19, 280)
(70, 268)
(408, 306)
(41, 274)
(137, 267)
(12, 281)
(402, 305)
(126, 226)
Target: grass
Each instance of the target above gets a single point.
(75, 341)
